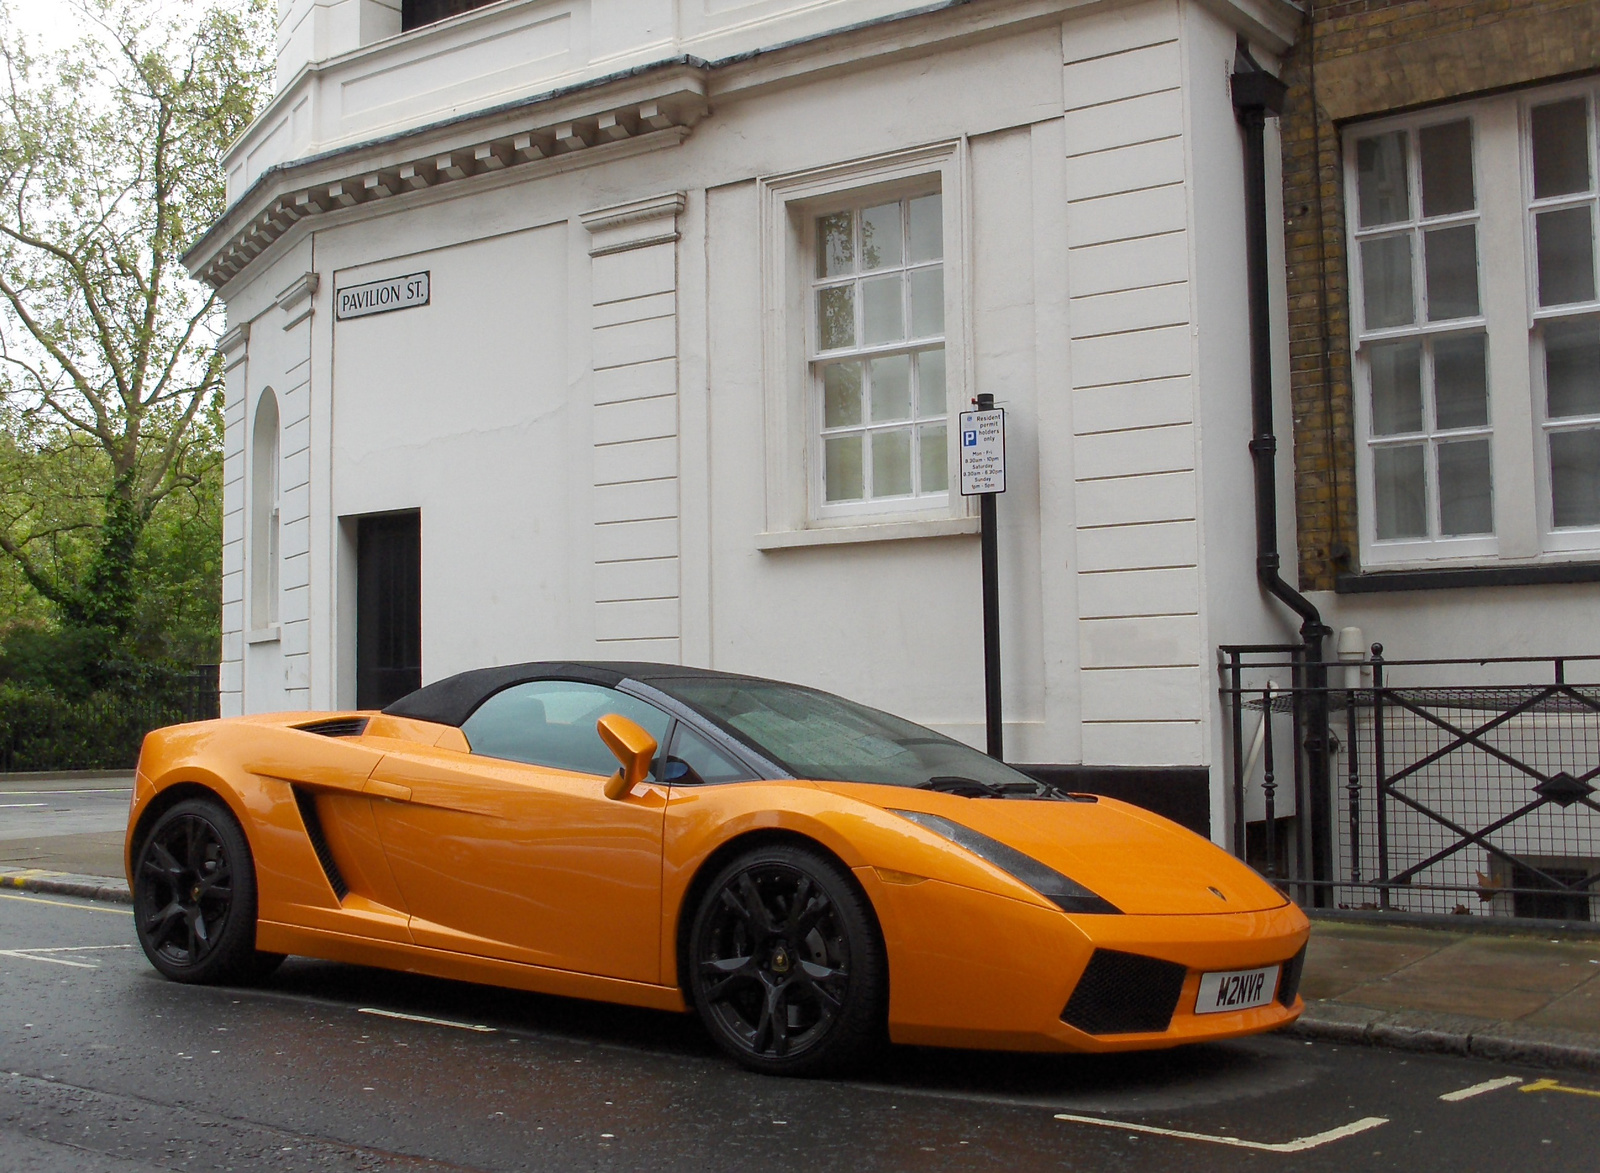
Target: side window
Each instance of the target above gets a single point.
(552, 723)
(694, 760)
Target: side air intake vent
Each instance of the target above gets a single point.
(1123, 993)
(1289, 983)
(319, 842)
(336, 727)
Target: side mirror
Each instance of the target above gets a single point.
(633, 747)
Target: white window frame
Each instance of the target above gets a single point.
(1584, 540)
(789, 206)
(1520, 476)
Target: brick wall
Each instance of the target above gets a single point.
(1356, 59)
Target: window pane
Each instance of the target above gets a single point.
(1460, 382)
(935, 457)
(1464, 504)
(836, 317)
(891, 388)
(1446, 168)
(841, 395)
(705, 762)
(842, 468)
(880, 236)
(1560, 148)
(1381, 179)
(931, 399)
(552, 723)
(881, 318)
(1575, 477)
(835, 248)
(927, 302)
(1452, 267)
(1396, 387)
(1386, 281)
(1572, 367)
(927, 228)
(1401, 496)
(1566, 256)
(891, 463)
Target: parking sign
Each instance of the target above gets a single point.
(983, 452)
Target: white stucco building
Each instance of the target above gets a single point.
(677, 301)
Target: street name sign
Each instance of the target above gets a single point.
(983, 452)
(381, 297)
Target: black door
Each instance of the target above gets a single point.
(388, 608)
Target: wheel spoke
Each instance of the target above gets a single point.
(814, 911)
(215, 884)
(778, 1018)
(159, 921)
(727, 972)
(755, 908)
(164, 862)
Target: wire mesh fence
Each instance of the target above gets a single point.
(1452, 787)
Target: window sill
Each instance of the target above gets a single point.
(263, 635)
(883, 531)
(1467, 576)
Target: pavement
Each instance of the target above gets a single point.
(1509, 992)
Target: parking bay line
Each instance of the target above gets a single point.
(1551, 1085)
(488, 1030)
(66, 904)
(1298, 1145)
(18, 953)
(1477, 1089)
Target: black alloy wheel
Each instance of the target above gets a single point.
(194, 897)
(786, 966)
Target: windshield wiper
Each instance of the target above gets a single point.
(972, 788)
(966, 787)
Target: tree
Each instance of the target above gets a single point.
(110, 167)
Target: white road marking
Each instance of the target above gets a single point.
(71, 948)
(66, 904)
(9, 806)
(1478, 1089)
(488, 1030)
(1298, 1145)
(49, 960)
(104, 790)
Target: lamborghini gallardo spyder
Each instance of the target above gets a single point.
(808, 875)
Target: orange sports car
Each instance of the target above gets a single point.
(808, 874)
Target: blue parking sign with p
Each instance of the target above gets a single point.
(969, 439)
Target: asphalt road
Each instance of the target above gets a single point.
(104, 1066)
(45, 810)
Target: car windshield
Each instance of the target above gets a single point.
(824, 737)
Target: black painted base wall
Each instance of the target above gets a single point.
(1180, 793)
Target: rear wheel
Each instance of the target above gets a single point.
(194, 897)
(786, 966)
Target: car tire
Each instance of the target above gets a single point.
(194, 897)
(786, 965)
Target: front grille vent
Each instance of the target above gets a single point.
(1123, 993)
(307, 803)
(336, 727)
(1289, 983)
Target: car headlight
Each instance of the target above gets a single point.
(1066, 894)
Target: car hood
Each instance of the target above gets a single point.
(1142, 863)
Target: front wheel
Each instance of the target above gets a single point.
(786, 965)
(194, 897)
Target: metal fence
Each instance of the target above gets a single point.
(42, 731)
(1425, 786)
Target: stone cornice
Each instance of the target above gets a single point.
(551, 131)
(653, 220)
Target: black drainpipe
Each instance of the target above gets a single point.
(1256, 95)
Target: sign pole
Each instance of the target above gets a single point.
(983, 474)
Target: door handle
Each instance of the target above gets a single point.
(393, 790)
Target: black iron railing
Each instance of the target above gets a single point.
(40, 730)
(1452, 786)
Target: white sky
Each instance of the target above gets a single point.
(49, 24)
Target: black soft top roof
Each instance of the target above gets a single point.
(452, 700)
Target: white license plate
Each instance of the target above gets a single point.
(1239, 989)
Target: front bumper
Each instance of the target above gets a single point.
(973, 969)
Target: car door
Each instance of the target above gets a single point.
(512, 850)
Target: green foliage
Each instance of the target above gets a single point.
(110, 429)
(100, 730)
